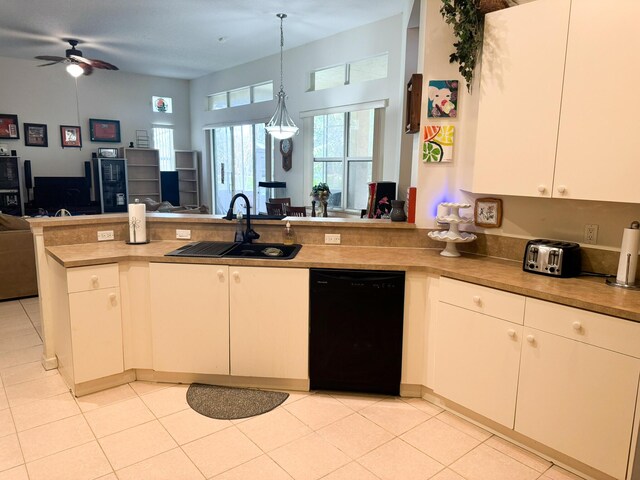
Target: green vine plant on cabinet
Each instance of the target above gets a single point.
(467, 19)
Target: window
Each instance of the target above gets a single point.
(239, 162)
(163, 141)
(260, 92)
(371, 68)
(343, 156)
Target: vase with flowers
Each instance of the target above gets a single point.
(320, 193)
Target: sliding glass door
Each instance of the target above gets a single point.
(239, 162)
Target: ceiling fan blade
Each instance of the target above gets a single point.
(50, 58)
(88, 69)
(47, 64)
(94, 63)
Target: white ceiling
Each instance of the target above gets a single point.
(177, 38)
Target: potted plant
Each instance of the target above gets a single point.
(320, 193)
(467, 19)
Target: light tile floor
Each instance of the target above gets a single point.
(147, 431)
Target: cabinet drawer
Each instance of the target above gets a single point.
(592, 328)
(504, 305)
(81, 279)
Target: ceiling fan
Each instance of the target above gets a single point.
(76, 64)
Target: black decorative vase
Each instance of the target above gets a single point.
(397, 211)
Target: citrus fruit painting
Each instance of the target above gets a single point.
(438, 143)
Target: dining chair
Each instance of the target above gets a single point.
(275, 208)
(281, 201)
(295, 211)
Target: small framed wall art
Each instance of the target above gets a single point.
(70, 136)
(488, 212)
(35, 135)
(9, 126)
(443, 99)
(104, 130)
(437, 146)
(162, 104)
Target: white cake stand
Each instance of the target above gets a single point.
(453, 235)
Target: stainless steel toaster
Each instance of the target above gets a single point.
(552, 257)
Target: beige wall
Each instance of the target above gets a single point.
(523, 216)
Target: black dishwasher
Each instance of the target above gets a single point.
(355, 334)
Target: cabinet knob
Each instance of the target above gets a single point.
(511, 332)
(577, 326)
(542, 188)
(477, 300)
(220, 274)
(94, 280)
(562, 189)
(236, 275)
(531, 339)
(112, 298)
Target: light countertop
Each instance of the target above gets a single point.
(581, 292)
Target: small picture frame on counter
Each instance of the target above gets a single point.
(488, 212)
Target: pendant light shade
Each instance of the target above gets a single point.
(281, 125)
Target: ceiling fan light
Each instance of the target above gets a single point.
(74, 70)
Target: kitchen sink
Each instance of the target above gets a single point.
(276, 251)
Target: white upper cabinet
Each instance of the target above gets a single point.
(520, 94)
(599, 139)
(558, 111)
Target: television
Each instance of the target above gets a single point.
(54, 193)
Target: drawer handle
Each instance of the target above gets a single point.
(94, 280)
(511, 332)
(220, 274)
(531, 339)
(477, 300)
(577, 326)
(112, 298)
(542, 188)
(236, 275)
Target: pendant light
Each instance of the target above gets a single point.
(281, 125)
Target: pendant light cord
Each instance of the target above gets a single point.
(281, 16)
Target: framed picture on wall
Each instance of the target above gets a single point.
(70, 136)
(101, 130)
(35, 135)
(9, 126)
(488, 212)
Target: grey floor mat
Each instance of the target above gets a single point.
(226, 403)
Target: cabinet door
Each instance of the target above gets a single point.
(476, 362)
(520, 91)
(96, 334)
(578, 399)
(269, 322)
(190, 318)
(598, 142)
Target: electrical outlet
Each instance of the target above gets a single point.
(332, 238)
(105, 235)
(591, 233)
(183, 234)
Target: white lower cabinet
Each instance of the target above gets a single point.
(96, 333)
(568, 377)
(269, 326)
(477, 359)
(190, 318)
(244, 321)
(576, 397)
(88, 320)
